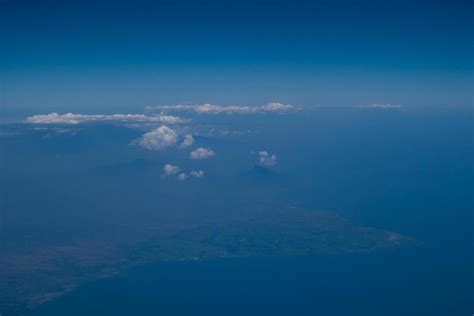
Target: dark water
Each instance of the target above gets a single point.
(408, 282)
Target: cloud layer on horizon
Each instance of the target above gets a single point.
(217, 109)
(381, 106)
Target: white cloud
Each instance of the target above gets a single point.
(169, 169)
(71, 118)
(158, 139)
(177, 107)
(381, 106)
(187, 141)
(275, 107)
(266, 159)
(217, 109)
(197, 173)
(202, 153)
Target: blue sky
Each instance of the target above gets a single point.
(106, 56)
(187, 114)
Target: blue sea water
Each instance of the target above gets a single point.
(410, 282)
(407, 173)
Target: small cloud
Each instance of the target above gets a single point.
(72, 118)
(197, 173)
(381, 106)
(158, 139)
(275, 107)
(169, 169)
(187, 141)
(202, 153)
(266, 159)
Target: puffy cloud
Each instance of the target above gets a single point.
(266, 159)
(187, 141)
(381, 106)
(197, 173)
(169, 169)
(202, 153)
(217, 109)
(71, 118)
(158, 139)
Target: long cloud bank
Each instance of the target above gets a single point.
(217, 109)
(384, 106)
(72, 118)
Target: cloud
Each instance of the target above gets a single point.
(71, 118)
(381, 106)
(266, 159)
(275, 107)
(202, 153)
(217, 109)
(169, 169)
(188, 141)
(197, 173)
(158, 139)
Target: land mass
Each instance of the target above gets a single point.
(33, 276)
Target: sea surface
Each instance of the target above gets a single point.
(408, 282)
(407, 172)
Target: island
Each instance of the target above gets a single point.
(32, 276)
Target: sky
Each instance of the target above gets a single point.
(135, 119)
(109, 56)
